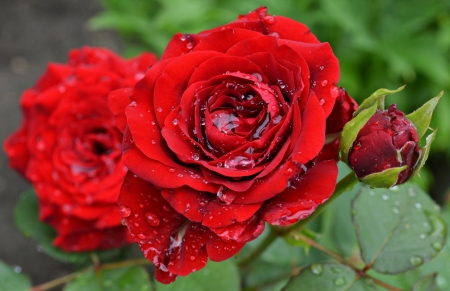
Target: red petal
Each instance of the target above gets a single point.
(175, 245)
(323, 69)
(312, 136)
(118, 100)
(305, 194)
(206, 208)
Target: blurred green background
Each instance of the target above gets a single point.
(380, 43)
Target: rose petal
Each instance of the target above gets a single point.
(306, 193)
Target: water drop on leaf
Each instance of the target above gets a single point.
(316, 269)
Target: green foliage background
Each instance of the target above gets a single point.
(380, 43)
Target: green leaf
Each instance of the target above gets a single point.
(421, 118)
(426, 284)
(10, 280)
(132, 278)
(351, 130)
(377, 98)
(425, 151)
(222, 276)
(397, 229)
(438, 265)
(384, 179)
(27, 221)
(329, 276)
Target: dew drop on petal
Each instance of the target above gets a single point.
(189, 45)
(195, 157)
(171, 170)
(324, 83)
(192, 258)
(269, 19)
(288, 171)
(152, 219)
(257, 76)
(334, 92)
(322, 101)
(142, 236)
(275, 34)
(125, 211)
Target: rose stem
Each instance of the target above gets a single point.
(343, 261)
(70, 277)
(345, 184)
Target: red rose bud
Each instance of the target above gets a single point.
(382, 146)
(68, 147)
(388, 140)
(225, 133)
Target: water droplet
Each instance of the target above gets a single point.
(195, 157)
(269, 19)
(411, 192)
(316, 269)
(322, 101)
(17, 269)
(288, 171)
(189, 45)
(257, 76)
(385, 197)
(175, 121)
(324, 83)
(339, 281)
(159, 109)
(142, 236)
(125, 211)
(321, 68)
(275, 34)
(180, 175)
(192, 258)
(437, 245)
(239, 163)
(422, 236)
(171, 170)
(152, 219)
(416, 261)
(334, 92)
(395, 210)
(418, 206)
(123, 222)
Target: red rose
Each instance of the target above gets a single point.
(386, 141)
(69, 147)
(224, 134)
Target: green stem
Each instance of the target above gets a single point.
(343, 185)
(65, 279)
(245, 261)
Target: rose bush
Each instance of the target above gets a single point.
(225, 133)
(68, 147)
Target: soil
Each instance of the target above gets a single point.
(33, 33)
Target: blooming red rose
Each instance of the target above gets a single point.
(386, 141)
(69, 147)
(225, 133)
